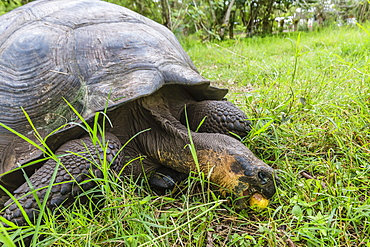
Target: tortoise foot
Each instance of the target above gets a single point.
(166, 178)
(78, 168)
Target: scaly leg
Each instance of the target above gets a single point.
(75, 170)
(221, 117)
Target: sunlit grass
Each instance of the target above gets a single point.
(312, 92)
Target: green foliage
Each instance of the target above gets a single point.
(148, 8)
(6, 6)
(207, 18)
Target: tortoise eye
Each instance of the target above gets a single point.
(264, 177)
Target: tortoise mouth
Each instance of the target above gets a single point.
(249, 192)
(266, 193)
(266, 187)
(246, 193)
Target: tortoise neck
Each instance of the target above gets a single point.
(172, 148)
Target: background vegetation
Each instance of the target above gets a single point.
(308, 97)
(220, 19)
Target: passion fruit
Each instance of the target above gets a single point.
(258, 200)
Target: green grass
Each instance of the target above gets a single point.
(308, 95)
(312, 91)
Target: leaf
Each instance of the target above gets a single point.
(145, 200)
(297, 211)
(264, 128)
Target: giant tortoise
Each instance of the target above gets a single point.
(61, 59)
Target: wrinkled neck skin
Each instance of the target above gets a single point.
(225, 160)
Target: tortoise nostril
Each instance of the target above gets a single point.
(263, 176)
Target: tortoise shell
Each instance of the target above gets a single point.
(89, 53)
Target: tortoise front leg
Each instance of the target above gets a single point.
(72, 172)
(221, 117)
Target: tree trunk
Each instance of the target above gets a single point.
(243, 16)
(166, 14)
(253, 13)
(266, 22)
(231, 27)
(295, 24)
(226, 19)
(363, 12)
(281, 25)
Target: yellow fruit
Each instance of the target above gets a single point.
(258, 200)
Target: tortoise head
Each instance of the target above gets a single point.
(237, 170)
(259, 176)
